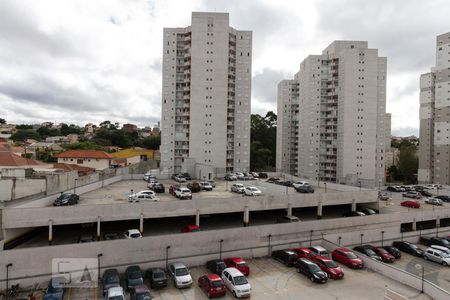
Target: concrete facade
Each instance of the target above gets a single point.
(434, 146)
(206, 95)
(341, 120)
(96, 163)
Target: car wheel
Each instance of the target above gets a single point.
(234, 294)
(444, 263)
(425, 257)
(208, 294)
(298, 270)
(312, 278)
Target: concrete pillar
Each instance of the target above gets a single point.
(50, 232)
(438, 221)
(98, 229)
(319, 210)
(289, 209)
(353, 205)
(197, 218)
(414, 225)
(141, 223)
(246, 216)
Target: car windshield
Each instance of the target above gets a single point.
(112, 279)
(181, 272)
(313, 268)
(116, 298)
(370, 252)
(64, 196)
(135, 275)
(330, 264)
(240, 280)
(242, 265)
(143, 296)
(135, 235)
(252, 188)
(351, 255)
(217, 283)
(158, 275)
(382, 251)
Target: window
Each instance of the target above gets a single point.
(79, 161)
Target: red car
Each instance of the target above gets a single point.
(238, 263)
(172, 189)
(348, 258)
(213, 285)
(190, 228)
(329, 266)
(410, 203)
(304, 252)
(385, 256)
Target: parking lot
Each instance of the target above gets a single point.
(272, 280)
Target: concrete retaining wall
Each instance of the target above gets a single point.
(16, 188)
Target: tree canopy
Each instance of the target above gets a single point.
(263, 141)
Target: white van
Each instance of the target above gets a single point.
(236, 282)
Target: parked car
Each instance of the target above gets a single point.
(443, 198)
(237, 188)
(239, 176)
(425, 193)
(287, 257)
(212, 183)
(305, 189)
(288, 219)
(194, 186)
(147, 176)
(311, 270)
(66, 199)
(255, 174)
(143, 196)
(132, 234)
(186, 175)
(230, 177)
(434, 201)
(236, 283)
(285, 183)
(248, 176)
(441, 248)
(411, 194)
(190, 228)
(410, 203)
(86, 238)
(252, 191)
(156, 277)
(329, 266)
(183, 193)
(299, 184)
(216, 266)
(393, 251)
(383, 196)
(304, 252)
(439, 241)
(181, 276)
(115, 293)
(353, 214)
(55, 290)
(273, 180)
(110, 279)
(133, 277)
(206, 186)
(384, 254)
(173, 188)
(408, 248)
(262, 175)
(140, 292)
(112, 236)
(437, 256)
(367, 211)
(393, 189)
(319, 250)
(347, 257)
(157, 187)
(179, 179)
(213, 285)
(238, 263)
(367, 250)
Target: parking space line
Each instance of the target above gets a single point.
(68, 294)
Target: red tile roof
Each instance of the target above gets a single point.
(73, 167)
(85, 154)
(9, 159)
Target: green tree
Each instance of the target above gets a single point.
(23, 134)
(46, 132)
(151, 142)
(24, 126)
(263, 141)
(70, 129)
(407, 164)
(85, 145)
(2, 121)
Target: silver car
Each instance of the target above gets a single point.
(434, 201)
(437, 256)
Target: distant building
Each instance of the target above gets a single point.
(133, 155)
(96, 159)
(72, 138)
(10, 160)
(82, 171)
(42, 146)
(129, 128)
(57, 139)
(89, 128)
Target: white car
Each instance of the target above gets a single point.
(183, 193)
(236, 283)
(434, 201)
(133, 234)
(143, 195)
(299, 184)
(206, 186)
(115, 293)
(437, 256)
(238, 188)
(252, 191)
(147, 176)
(179, 179)
(181, 276)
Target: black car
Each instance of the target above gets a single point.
(353, 214)
(262, 175)
(112, 236)
(273, 180)
(392, 189)
(285, 183)
(287, 257)
(110, 279)
(158, 188)
(393, 251)
(133, 277)
(367, 250)
(156, 277)
(443, 198)
(408, 248)
(216, 266)
(306, 188)
(311, 270)
(66, 199)
(425, 193)
(367, 211)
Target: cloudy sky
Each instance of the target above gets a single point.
(79, 61)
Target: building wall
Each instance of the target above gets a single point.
(206, 94)
(96, 163)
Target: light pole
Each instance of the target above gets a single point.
(98, 266)
(269, 237)
(420, 231)
(310, 237)
(220, 249)
(359, 182)
(382, 238)
(325, 184)
(75, 186)
(362, 235)
(339, 240)
(418, 267)
(7, 277)
(401, 231)
(379, 185)
(167, 257)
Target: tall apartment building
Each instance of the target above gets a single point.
(331, 116)
(434, 146)
(206, 95)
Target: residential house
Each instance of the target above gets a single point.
(96, 159)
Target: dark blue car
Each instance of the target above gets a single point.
(55, 291)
